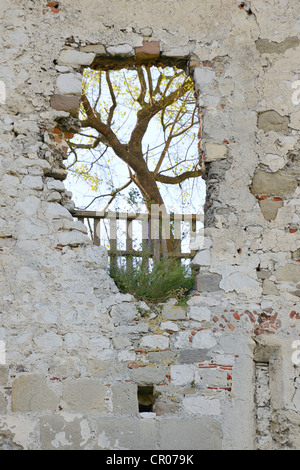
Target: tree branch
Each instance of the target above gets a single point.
(145, 115)
(103, 129)
(179, 178)
(113, 98)
(113, 194)
(142, 95)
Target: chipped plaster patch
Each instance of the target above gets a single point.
(60, 439)
(104, 442)
(2, 92)
(296, 93)
(23, 428)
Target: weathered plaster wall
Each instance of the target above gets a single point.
(75, 349)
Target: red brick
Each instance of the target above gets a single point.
(149, 50)
(54, 6)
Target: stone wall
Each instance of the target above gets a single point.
(77, 356)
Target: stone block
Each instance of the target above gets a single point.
(73, 238)
(182, 374)
(295, 120)
(68, 103)
(273, 161)
(162, 357)
(98, 368)
(30, 393)
(211, 377)
(173, 312)
(33, 182)
(4, 373)
(296, 254)
(60, 434)
(85, 395)
(161, 408)
(123, 313)
(149, 50)
(269, 288)
(202, 405)
(3, 403)
(75, 58)
(121, 342)
(124, 50)
(26, 127)
(240, 283)
(55, 185)
(69, 84)
(199, 313)
(146, 31)
(124, 398)
(208, 282)
(204, 339)
(148, 375)
(190, 433)
(169, 326)
(202, 258)
(62, 368)
(190, 356)
(273, 184)
(97, 49)
(155, 342)
(215, 152)
(263, 274)
(57, 173)
(125, 433)
(288, 273)
(269, 208)
(272, 121)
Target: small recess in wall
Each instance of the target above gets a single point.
(146, 398)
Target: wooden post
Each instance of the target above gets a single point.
(145, 240)
(113, 242)
(129, 260)
(97, 232)
(193, 229)
(193, 232)
(177, 235)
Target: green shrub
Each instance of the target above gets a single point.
(167, 279)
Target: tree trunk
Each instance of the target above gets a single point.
(148, 187)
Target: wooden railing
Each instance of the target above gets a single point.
(155, 229)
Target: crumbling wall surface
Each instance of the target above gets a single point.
(223, 371)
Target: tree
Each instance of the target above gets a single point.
(118, 111)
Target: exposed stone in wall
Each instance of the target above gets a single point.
(76, 350)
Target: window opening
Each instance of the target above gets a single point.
(138, 150)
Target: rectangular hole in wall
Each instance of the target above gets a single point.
(146, 398)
